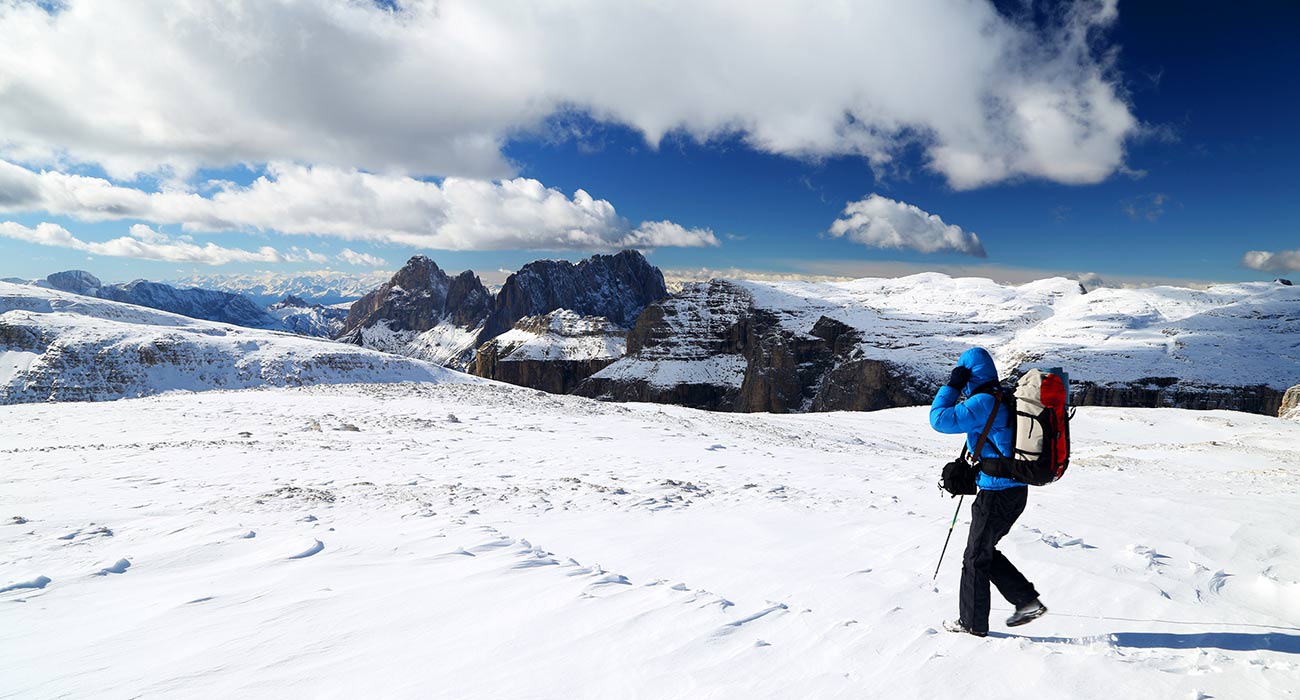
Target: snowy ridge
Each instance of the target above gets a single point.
(335, 539)
(1104, 336)
(1118, 338)
(446, 344)
(562, 335)
(56, 346)
(303, 318)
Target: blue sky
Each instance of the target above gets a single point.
(1183, 163)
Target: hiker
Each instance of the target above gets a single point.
(999, 501)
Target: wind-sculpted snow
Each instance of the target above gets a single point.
(56, 346)
(487, 541)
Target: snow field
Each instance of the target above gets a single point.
(460, 541)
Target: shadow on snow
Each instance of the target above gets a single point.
(1228, 641)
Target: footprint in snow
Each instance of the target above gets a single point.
(1060, 539)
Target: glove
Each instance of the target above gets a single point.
(960, 375)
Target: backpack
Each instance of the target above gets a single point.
(1041, 449)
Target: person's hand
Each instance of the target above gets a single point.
(960, 375)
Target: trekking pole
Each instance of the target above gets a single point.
(945, 540)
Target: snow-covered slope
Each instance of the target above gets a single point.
(56, 346)
(466, 542)
(299, 316)
(1164, 340)
(322, 287)
(554, 352)
(561, 335)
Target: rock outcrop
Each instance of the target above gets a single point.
(1290, 405)
(204, 304)
(711, 347)
(554, 352)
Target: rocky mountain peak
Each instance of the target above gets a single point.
(420, 296)
(616, 286)
(420, 273)
(75, 281)
(291, 301)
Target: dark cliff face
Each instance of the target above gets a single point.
(206, 304)
(617, 287)
(1168, 392)
(554, 352)
(420, 296)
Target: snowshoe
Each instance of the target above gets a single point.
(1026, 613)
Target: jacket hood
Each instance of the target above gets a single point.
(982, 369)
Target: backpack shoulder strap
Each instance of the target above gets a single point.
(988, 425)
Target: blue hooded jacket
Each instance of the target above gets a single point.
(949, 414)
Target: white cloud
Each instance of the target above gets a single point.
(435, 88)
(352, 257)
(1268, 261)
(880, 222)
(659, 234)
(143, 243)
(458, 214)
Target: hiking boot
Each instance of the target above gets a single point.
(961, 628)
(1026, 613)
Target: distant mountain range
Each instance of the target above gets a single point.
(59, 346)
(607, 328)
(206, 304)
(325, 287)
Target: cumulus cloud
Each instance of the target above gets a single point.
(1268, 261)
(436, 87)
(352, 257)
(663, 234)
(456, 214)
(880, 222)
(143, 243)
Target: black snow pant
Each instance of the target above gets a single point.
(992, 516)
